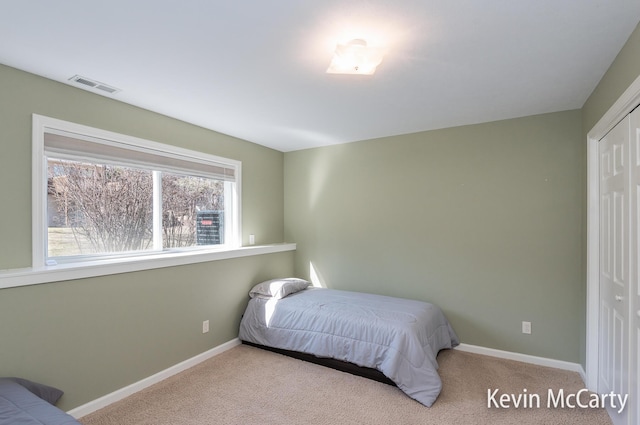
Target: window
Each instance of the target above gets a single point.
(100, 195)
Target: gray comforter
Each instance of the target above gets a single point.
(399, 337)
(25, 402)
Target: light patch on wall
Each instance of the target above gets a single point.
(316, 137)
(316, 280)
(319, 172)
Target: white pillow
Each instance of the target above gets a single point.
(278, 288)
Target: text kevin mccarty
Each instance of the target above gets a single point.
(582, 399)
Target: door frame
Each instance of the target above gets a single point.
(621, 108)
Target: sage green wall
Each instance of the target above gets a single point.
(622, 72)
(93, 336)
(483, 220)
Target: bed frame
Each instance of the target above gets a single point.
(347, 367)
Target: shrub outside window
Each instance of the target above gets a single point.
(105, 195)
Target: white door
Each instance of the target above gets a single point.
(614, 265)
(634, 154)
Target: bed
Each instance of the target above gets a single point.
(399, 337)
(24, 402)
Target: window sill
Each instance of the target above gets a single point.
(35, 276)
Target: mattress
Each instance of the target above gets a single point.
(399, 337)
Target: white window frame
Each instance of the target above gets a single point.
(42, 125)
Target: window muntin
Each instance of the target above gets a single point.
(130, 196)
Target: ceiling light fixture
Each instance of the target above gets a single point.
(355, 57)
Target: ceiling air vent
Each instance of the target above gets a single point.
(94, 84)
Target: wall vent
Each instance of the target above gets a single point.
(88, 82)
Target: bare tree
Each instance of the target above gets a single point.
(109, 206)
(182, 198)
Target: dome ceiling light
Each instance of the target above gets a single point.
(355, 57)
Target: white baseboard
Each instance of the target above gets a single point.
(526, 358)
(108, 399)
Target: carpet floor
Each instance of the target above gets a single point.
(247, 385)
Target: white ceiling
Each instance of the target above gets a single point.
(256, 69)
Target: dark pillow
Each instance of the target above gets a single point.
(45, 392)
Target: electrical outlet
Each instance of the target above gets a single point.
(205, 326)
(526, 327)
(252, 239)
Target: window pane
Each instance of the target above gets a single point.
(192, 211)
(97, 208)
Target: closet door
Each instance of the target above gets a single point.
(634, 153)
(614, 265)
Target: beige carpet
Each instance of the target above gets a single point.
(247, 385)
